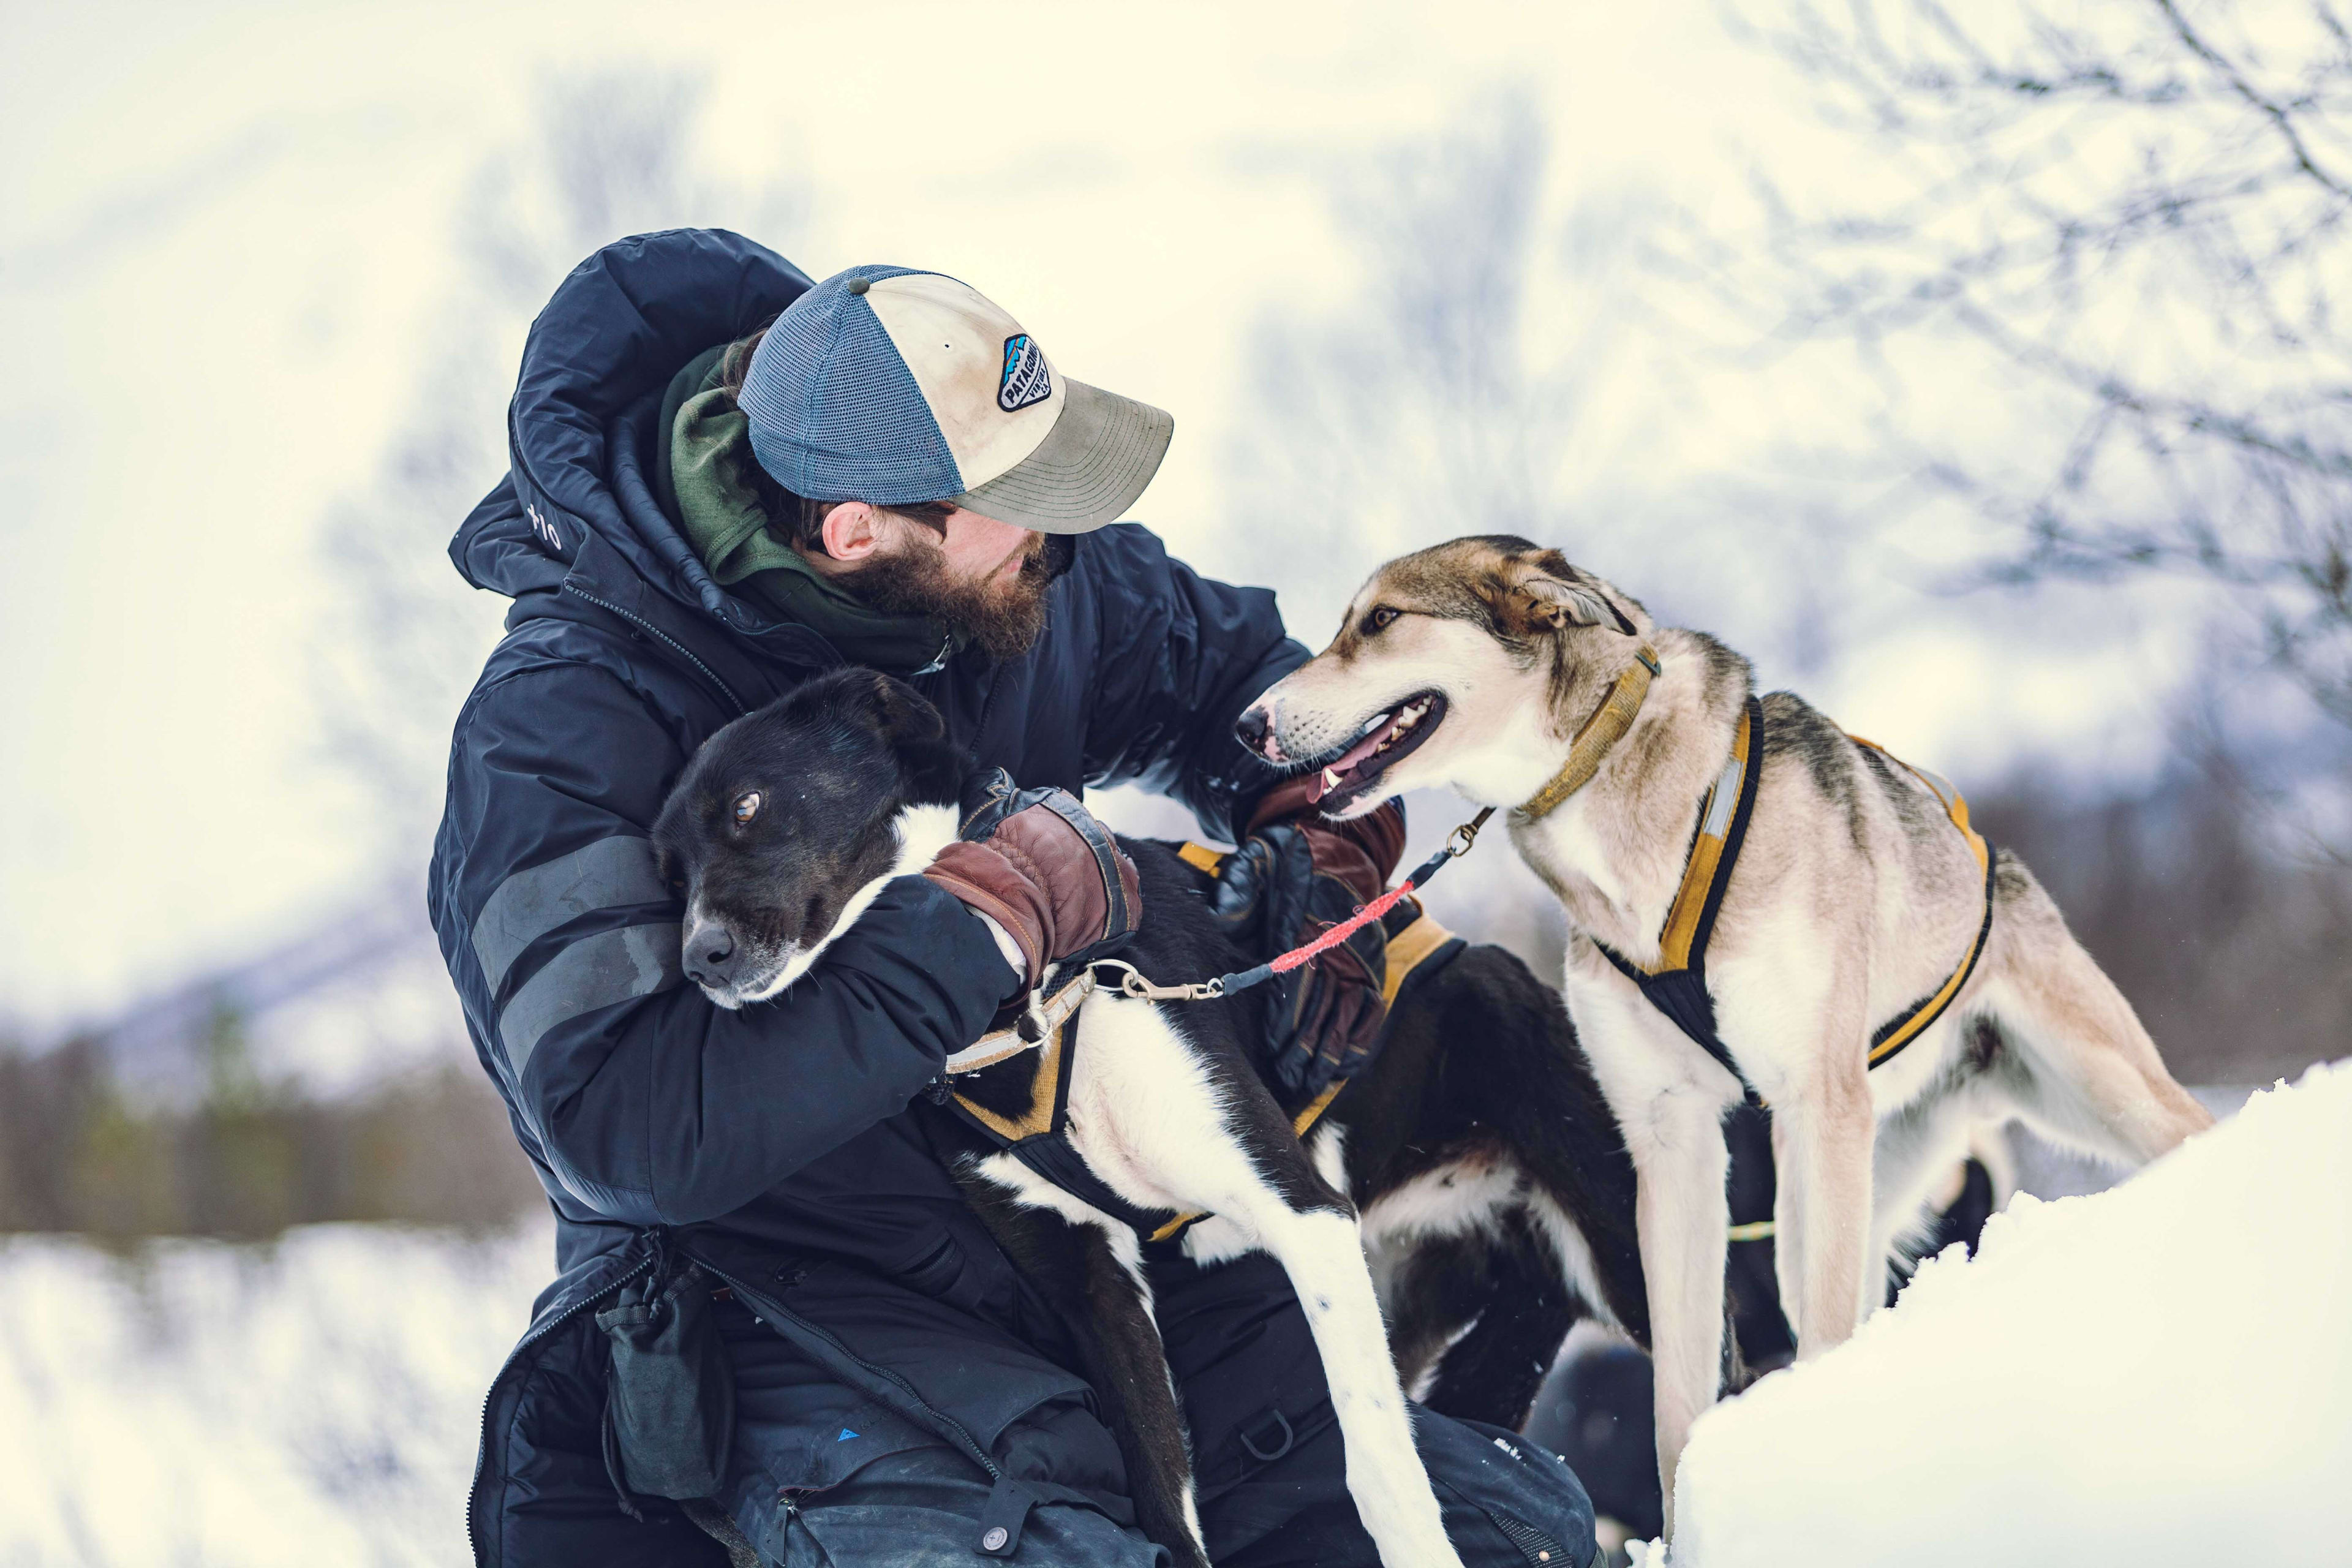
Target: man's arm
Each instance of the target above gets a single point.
(1181, 656)
(651, 1105)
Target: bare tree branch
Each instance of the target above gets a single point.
(2150, 226)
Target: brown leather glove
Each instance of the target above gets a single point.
(1039, 864)
(1379, 835)
(1295, 877)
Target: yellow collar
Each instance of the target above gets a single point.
(1603, 729)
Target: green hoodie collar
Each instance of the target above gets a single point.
(714, 503)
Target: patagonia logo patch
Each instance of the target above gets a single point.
(1026, 380)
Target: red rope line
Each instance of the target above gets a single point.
(1343, 930)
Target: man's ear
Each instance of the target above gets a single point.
(852, 530)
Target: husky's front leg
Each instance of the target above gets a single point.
(1669, 1098)
(1822, 1139)
(1804, 1043)
(1320, 1248)
(1682, 1224)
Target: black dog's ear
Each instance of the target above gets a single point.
(913, 729)
(903, 715)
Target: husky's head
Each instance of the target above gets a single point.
(1468, 666)
(786, 822)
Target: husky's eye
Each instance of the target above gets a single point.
(1381, 616)
(747, 807)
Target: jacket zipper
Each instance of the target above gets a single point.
(482, 1453)
(653, 631)
(980, 730)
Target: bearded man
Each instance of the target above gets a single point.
(703, 512)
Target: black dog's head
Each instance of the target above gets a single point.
(788, 821)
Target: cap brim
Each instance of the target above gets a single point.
(1087, 472)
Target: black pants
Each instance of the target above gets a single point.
(902, 1496)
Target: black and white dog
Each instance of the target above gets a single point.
(1478, 1144)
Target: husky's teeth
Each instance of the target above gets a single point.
(1407, 720)
(1330, 778)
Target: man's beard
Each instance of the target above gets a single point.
(1002, 619)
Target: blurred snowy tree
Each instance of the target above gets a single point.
(2126, 226)
(613, 154)
(1451, 392)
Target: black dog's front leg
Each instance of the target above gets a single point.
(1076, 1270)
(1130, 1364)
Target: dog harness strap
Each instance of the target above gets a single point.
(1912, 1022)
(1599, 732)
(1723, 816)
(1201, 858)
(1028, 1032)
(1677, 985)
(1420, 948)
(1909, 1025)
(1048, 1093)
(1053, 1159)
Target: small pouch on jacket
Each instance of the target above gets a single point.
(669, 1408)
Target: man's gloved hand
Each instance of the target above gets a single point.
(1040, 865)
(1295, 877)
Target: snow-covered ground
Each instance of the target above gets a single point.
(311, 1402)
(2157, 1374)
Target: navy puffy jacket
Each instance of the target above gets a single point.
(773, 1141)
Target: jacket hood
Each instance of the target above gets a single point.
(581, 430)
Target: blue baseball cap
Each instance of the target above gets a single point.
(895, 386)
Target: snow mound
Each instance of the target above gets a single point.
(312, 1401)
(2157, 1374)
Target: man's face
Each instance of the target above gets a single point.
(986, 579)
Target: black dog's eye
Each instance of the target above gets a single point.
(1381, 616)
(747, 807)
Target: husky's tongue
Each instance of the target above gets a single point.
(1380, 731)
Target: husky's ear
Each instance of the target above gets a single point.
(1549, 594)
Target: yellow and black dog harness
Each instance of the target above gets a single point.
(1037, 1133)
(1676, 983)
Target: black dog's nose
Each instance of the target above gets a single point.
(711, 958)
(1250, 729)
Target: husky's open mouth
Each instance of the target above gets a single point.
(1386, 737)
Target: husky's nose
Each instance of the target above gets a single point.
(711, 955)
(1253, 729)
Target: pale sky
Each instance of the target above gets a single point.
(226, 231)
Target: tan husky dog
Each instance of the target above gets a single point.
(1797, 898)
